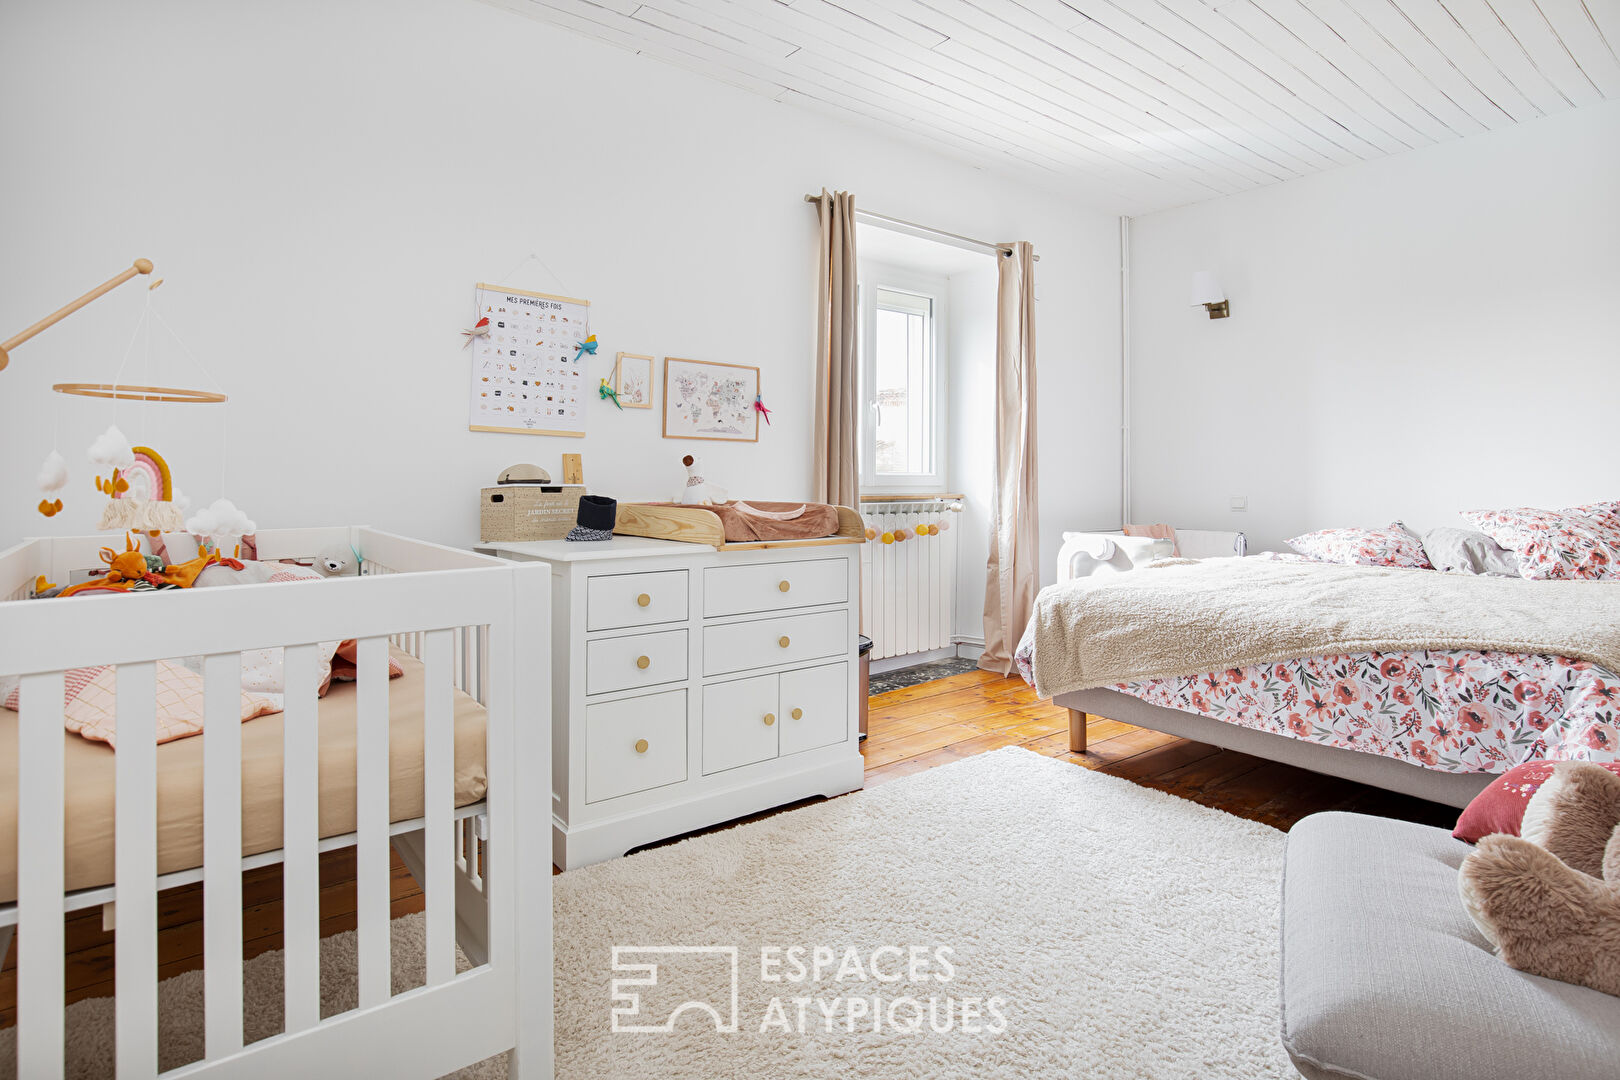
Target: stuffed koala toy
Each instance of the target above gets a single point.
(1549, 899)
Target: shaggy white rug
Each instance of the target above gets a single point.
(1004, 916)
(1129, 934)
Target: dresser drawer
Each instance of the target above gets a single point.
(783, 640)
(634, 744)
(624, 663)
(738, 590)
(739, 723)
(613, 601)
(814, 706)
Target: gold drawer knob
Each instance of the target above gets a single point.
(641, 746)
(783, 586)
(770, 718)
(798, 714)
(783, 641)
(643, 599)
(642, 662)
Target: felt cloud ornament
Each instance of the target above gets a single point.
(53, 476)
(112, 448)
(220, 522)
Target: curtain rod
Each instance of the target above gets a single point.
(926, 231)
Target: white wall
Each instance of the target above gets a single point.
(321, 185)
(1410, 337)
(973, 441)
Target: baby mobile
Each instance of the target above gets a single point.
(138, 484)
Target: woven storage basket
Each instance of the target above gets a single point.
(513, 512)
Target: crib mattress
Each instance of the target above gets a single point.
(90, 772)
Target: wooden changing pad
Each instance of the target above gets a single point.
(90, 772)
(726, 526)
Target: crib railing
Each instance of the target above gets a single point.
(467, 618)
(908, 587)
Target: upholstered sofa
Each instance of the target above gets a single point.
(1384, 976)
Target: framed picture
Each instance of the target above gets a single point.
(633, 380)
(705, 400)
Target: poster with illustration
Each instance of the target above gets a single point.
(633, 380)
(529, 375)
(704, 400)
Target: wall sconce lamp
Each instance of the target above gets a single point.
(1206, 290)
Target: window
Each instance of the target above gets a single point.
(902, 383)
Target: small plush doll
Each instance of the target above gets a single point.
(698, 491)
(1549, 899)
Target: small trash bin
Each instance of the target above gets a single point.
(866, 674)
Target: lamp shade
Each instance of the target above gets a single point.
(1206, 288)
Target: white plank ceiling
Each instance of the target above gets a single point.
(1138, 105)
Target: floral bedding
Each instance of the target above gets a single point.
(1394, 546)
(1582, 542)
(1451, 711)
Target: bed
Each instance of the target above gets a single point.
(1363, 702)
(433, 764)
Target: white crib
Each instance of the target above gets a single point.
(478, 624)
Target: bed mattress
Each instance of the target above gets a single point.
(1450, 711)
(90, 773)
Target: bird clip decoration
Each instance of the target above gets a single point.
(759, 407)
(607, 393)
(481, 330)
(586, 346)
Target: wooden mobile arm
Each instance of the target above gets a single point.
(140, 266)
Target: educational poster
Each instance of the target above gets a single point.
(529, 375)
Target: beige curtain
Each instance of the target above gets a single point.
(837, 375)
(1009, 596)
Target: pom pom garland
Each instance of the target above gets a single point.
(904, 533)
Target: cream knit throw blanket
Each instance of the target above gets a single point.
(1181, 617)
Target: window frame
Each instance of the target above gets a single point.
(877, 277)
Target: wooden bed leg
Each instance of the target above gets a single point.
(1077, 731)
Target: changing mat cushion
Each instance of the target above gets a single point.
(817, 520)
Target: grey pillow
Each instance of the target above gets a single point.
(1464, 551)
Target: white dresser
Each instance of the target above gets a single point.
(692, 686)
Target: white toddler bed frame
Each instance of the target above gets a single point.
(477, 623)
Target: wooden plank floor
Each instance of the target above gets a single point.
(918, 727)
(910, 730)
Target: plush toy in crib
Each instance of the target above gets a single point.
(698, 491)
(1549, 898)
(131, 568)
(339, 562)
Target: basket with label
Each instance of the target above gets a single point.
(513, 512)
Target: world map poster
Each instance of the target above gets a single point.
(704, 400)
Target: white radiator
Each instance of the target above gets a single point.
(908, 587)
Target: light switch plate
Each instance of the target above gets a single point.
(1238, 503)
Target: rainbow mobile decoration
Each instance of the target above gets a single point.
(141, 495)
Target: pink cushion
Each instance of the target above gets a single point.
(90, 697)
(1577, 543)
(1394, 546)
(1500, 807)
